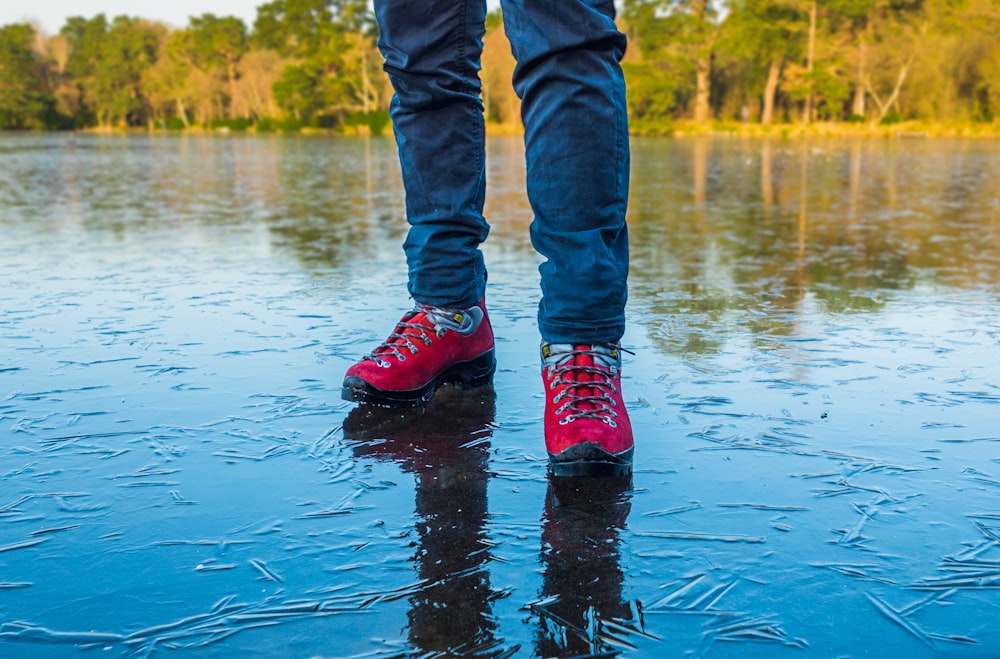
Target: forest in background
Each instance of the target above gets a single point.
(315, 64)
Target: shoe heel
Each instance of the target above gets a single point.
(590, 460)
(477, 372)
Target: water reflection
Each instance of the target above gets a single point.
(848, 224)
(582, 611)
(767, 176)
(812, 390)
(721, 224)
(446, 446)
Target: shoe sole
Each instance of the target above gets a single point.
(587, 460)
(465, 375)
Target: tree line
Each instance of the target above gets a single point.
(315, 63)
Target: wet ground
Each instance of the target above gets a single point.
(815, 393)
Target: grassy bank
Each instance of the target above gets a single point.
(901, 130)
(905, 129)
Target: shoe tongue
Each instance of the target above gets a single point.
(555, 355)
(429, 317)
(558, 354)
(455, 319)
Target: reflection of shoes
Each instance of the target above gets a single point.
(587, 429)
(429, 347)
(453, 429)
(591, 510)
(582, 611)
(445, 444)
(583, 517)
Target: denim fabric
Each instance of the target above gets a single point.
(576, 143)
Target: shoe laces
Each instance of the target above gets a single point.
(584, 376)
(423, 323)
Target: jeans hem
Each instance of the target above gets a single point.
(559, 333)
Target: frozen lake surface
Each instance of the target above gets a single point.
(815, 391)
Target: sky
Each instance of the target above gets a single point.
(52, 14)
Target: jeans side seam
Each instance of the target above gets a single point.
(466, 77)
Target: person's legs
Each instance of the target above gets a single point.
(576, 143)
(432, 55)
(432, 52)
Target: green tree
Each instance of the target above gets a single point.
(331, 48)
(24, 99)
(816, 78)
(949, 45)
(987, 91)
(84, 38)
(316, 60)
(167, 83)
(296, 28)
(258, 72)
(680, 36)
(362, 59)
(977, 69)
(219, 44)
(129, 47)
(889, 35)
(654, 71)
(300, 91)
(66, 94)
(767, 34)
(304, 31)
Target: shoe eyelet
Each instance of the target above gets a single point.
(384, 364)
(402, 358)
(441, 331)
(612, 423)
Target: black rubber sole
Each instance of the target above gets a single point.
(587, 460)
(465, 375)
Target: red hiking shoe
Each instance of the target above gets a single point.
(429, 347)
(587, 429)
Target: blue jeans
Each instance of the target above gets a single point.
(576, 144)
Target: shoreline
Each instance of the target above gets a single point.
(901, 130)
(679, 129)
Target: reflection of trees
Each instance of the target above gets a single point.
(839, 222)
(446, 445)
(328, 200)
(507, 207)
(337, 201)
(715, 225)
